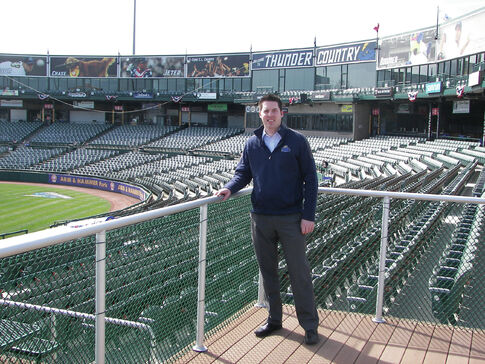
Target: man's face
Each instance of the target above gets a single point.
(271, 116)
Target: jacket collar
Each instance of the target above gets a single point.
(259, 131)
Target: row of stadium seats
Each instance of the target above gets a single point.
(452, 273)
(15, 132)
(405, 249)
(133, 135)
(353, 161)
(192, 138)
(24, 157)
(74, 159)
(68, 133)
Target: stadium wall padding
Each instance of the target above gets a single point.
(24, 176)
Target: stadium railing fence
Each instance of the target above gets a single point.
(150, 287)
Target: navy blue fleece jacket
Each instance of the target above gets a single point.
(285, 181)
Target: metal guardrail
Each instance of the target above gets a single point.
(21, 244)
(5, 235)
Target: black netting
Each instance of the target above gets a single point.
(434, 269)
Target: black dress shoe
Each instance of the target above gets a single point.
(311, 337)
(267, 329)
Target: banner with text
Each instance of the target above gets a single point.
(99, 184)
(143, 67)
(218, 66)
(408, 49)
(349, 53)
(21, 65)
(83, 67)
(296, 58)
(462, 37)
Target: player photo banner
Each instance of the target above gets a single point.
(218, 66)
(301, 58)
(83, 67)
(408, 49)
(22, 65)
(350, 53)
(143, 67)
(461, 37)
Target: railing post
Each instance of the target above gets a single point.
(53, 329)
(100, 296)
(382, 260)
(261, 294)
(199, 341)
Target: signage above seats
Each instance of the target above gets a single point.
(300, 58)
(321, 95)
(22, 65)
(353, 53)
(83, 67)
(227, 65)
(384, 92)
(145, 67)
(433, 87)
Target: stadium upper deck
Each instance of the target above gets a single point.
(424, 83)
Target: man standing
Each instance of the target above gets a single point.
(281, 165)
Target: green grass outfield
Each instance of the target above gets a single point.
(20, 211)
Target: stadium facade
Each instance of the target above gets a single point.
(425, 83)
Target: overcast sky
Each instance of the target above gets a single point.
(164, 27)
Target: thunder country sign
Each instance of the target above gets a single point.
(353, 53)
(288, 59)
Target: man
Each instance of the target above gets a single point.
(140, 70)
(281, 165)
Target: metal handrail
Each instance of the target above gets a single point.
(41, 239)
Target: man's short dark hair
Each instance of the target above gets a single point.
(270, 97)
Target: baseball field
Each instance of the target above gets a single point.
(37, 207)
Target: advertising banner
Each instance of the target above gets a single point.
(217, 107)
(207, 96)
(142, 95)
(21, 65)
(408, 49)
(218, 66)
(462, 37)
(433, 87)
(83, 104)
(346, 108)
(349, 53)
(296, 58)
(99, 184)
(321, 95)
(461, 107)
(383, 92)
(7, 92)
(143, 67)
(83, 67)
(11, 103)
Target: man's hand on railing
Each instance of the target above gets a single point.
(225, 193)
